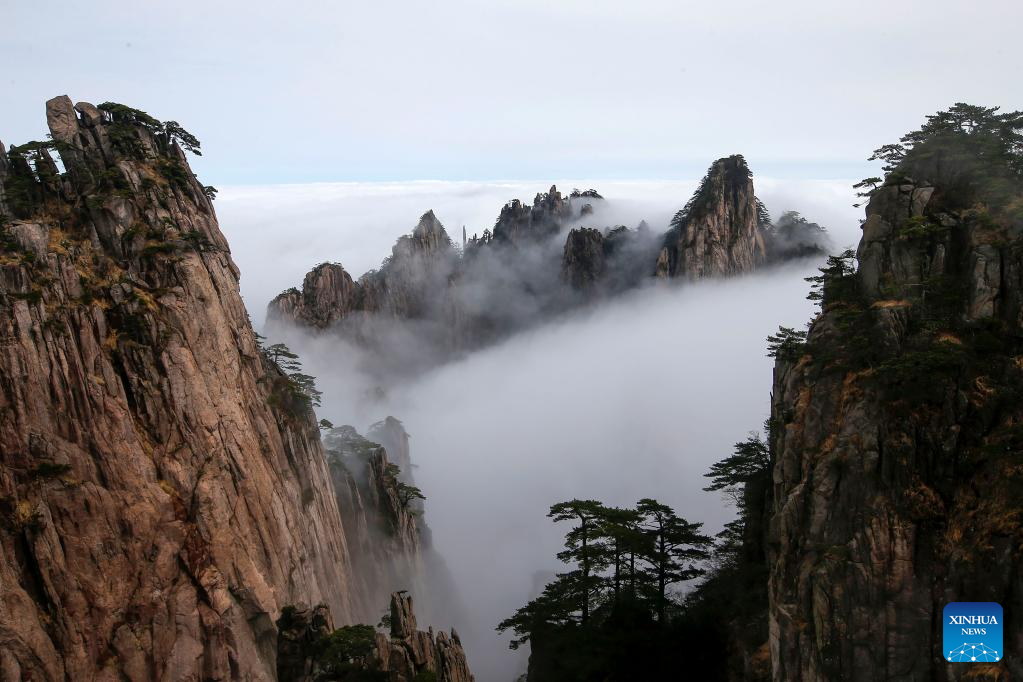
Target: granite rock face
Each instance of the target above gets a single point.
(584, 262)
(328, 294)
(718, 232)
(382, 526)
(896, 480)
(160, 498)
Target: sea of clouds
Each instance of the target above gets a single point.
(632, 398)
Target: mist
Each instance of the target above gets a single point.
(279, 232)
(628, 398)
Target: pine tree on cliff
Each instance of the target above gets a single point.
(580, 545)
(281, 355)
(674, 550)
(620, 540)
(748, 462)
(974, 153)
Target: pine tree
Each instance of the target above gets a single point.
(673, 551)
(580, 545)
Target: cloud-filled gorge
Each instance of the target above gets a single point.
(634, 397)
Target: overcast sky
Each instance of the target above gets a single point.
(464, 89)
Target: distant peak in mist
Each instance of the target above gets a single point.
(429, 301)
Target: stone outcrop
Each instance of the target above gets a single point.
(385, 525)
(409, 652)
(600, 263)
(583, 263)
(411, 283)
(414, 280)
(328, 294)
(896, 444)
(521, 224)
(161, 496)
(405, 654)
(718, 232)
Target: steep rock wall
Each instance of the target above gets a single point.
(161, 497)
(898, 454)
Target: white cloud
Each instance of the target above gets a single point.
(278, 233)
(632, 399)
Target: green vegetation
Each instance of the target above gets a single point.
(293, 390)
(309, 651)
(185, 139)
(617, 602)
(343, 651)
(788, 344)
(406, 492)
(749, 461)
(198, 240)
(836, 283)
(124, 122)
(615, 615)
(866, 187)
(974, 153)
(23, 188)
(305, 385)
(735, 172)
(175, 173)
(764, 216)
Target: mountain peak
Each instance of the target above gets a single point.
(717, 231)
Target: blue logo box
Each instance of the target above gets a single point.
(972, 632)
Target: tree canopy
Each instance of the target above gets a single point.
(301, 386)
(620, 559)
(974, 153)
(122, 117)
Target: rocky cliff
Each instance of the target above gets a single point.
(520, 223)
(159, 505)
(610, 261)
(328, 294)
(379, 513)
(896, 426)
(412, 282)
(718, 231)
(164, 493)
